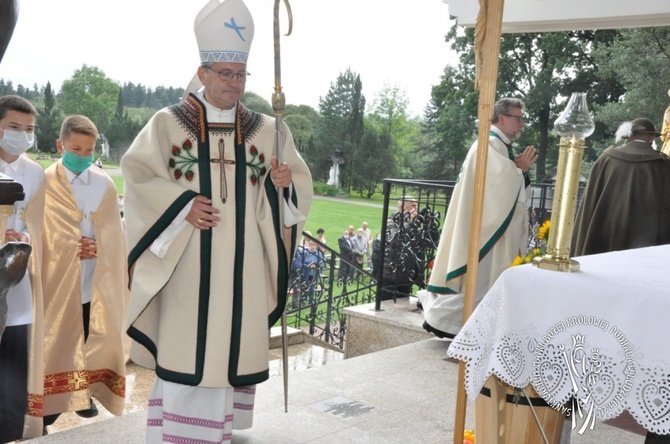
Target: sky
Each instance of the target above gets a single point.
(151, 42)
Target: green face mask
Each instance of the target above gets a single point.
(75, 163)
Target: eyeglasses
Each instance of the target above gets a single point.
(227, 76)
(519, 119)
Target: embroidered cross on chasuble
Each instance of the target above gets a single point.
(222, 173)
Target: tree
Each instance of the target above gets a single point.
(449, 124)
(389, 113)
(91, 93)
(48, 119)
(256, 103)
(374, 161)
(340, 127)
(640, 60)
(6, 88)
(543, 69)
(303, 120)
(122, 130)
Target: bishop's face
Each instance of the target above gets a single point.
(220, 92)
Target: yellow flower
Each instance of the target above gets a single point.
(469, 437)
(543, 231)
(536, 252)
(517, 261)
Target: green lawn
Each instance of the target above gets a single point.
(118, 181)
(335, 217)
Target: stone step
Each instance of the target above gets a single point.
(295, 336)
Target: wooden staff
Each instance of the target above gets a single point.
(487, 50)
(279, 106)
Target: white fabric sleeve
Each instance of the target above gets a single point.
(292, 215)
(160, 246)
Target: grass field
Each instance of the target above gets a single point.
(336, 216)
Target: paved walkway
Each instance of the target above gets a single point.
(350, 201)
(401, 395)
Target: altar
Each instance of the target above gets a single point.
(592, 343)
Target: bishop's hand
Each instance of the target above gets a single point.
(203, 215)
(281, 175)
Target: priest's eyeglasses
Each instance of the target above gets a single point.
(227, 76)
(519, 119)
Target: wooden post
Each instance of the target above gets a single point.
(490, 24)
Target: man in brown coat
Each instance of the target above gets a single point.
(625, 204)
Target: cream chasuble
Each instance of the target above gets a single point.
(200, 314)
(75, 370)
(504, 235)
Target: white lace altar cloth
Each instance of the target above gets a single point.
(599, 336)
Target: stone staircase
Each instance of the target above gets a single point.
(395, 387)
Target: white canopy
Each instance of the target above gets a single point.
(565, 15)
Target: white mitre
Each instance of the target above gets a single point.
(224, 32)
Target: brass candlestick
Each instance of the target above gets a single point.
(574, 125)
(564, 206)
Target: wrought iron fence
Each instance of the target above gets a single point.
(323, 282)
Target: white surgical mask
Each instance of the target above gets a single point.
(16, 143)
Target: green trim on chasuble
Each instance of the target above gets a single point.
(283, 264)
(235, 379)
(159, 226)
(510, 152)
(482, 252)
(143, 244)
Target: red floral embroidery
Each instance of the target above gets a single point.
(256, 164)
(183, 161)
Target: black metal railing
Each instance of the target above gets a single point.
(322, 286)
(412, 233)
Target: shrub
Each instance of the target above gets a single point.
(328, 190)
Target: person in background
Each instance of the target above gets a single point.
(360, 248)
(22, 342)
(665, 131)
(376, 256)
(321, 237)
(346, 252)
(368, 241)
(504, 231)
(308, 264)
(84, 281)
(621, 207)
(121, 205)
(202, 221)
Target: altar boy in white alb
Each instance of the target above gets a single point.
(209, 269)
(85, 290)
(21, 344)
